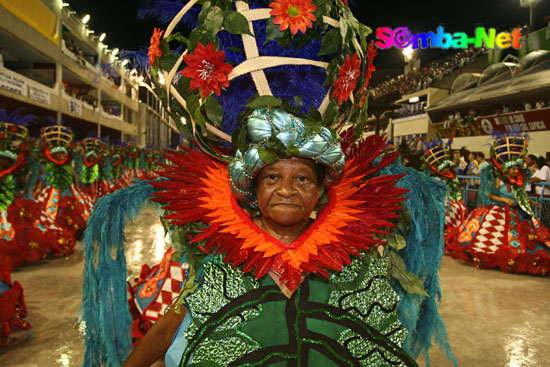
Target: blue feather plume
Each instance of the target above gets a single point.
(104, 306)
(422, 256)
(17, 116)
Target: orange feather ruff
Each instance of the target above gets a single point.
(198, 189)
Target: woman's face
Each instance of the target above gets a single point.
(59, 155)
(513, 171)
(471, 157)
(287, 191)
(456, 155)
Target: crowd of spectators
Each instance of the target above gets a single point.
(418, 79)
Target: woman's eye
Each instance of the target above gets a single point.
(302, 178)
(271, 177)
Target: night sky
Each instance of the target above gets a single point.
(118, 19)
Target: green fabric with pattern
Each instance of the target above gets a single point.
(7, 191)
(59, 176)
(347, 320)
(89, 174)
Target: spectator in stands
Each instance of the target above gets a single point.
(419, 147)
(539, 104)
(542, 174)
(473, 167)
(458, 116)
(482, 163)
(527, 106)
(505, 108)
(459, 162)
(530, 161)
(1, 59)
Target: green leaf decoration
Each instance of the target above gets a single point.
(192, 103)
(409, 281)
(236, 23)
(331, 42)
(214, 21)
(213, 110)
(275, 145)
(264, 101)
(300, 41)
(239, 138)
(396, 241)
(323, 8)
(331, 113)
(167, 61)
(272, 31)
(286, 40)
(199, 118)
(292, 151)
(199, 34)
(267, 156)
(176, 37)
(312, 127)
(204, 11)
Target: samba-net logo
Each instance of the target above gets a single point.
(402, 38)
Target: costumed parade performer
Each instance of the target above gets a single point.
(117, 166)
(92, 162)
(135, 163)
(503, 231)
(21, 239)
(437, 162)
(286, 264)
(64, 203)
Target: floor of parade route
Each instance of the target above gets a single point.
(493, 319)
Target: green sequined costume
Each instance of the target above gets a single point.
(347, 320)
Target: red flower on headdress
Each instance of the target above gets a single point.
(13, 129)
(371, 54)
(349, 72)
(206, 69)
(154, 49)
(298, 14)
(345, 2)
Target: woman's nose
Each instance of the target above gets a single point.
(286, 188)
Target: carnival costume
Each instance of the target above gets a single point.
(438, 164)
(65, 205)
(499, 235)
(339, 308)
(89, 176)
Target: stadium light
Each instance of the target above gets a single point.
(86, 19)
(408, 53)
(102, 37)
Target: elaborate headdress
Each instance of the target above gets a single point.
(437, 158)
(57, 137)
(508, 151)
(245, 55)
(13, 133)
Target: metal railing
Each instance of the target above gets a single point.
(470, 188)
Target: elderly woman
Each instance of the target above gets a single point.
(304, 281)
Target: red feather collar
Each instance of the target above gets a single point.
(15, 166)
(48, 154)
(198, 189)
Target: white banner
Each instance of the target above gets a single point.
(12, 82)
(75, 107)
(39, 94)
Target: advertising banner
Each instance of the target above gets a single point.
(11, 82)
(520, 121)
(75, 107)
(39, 94)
